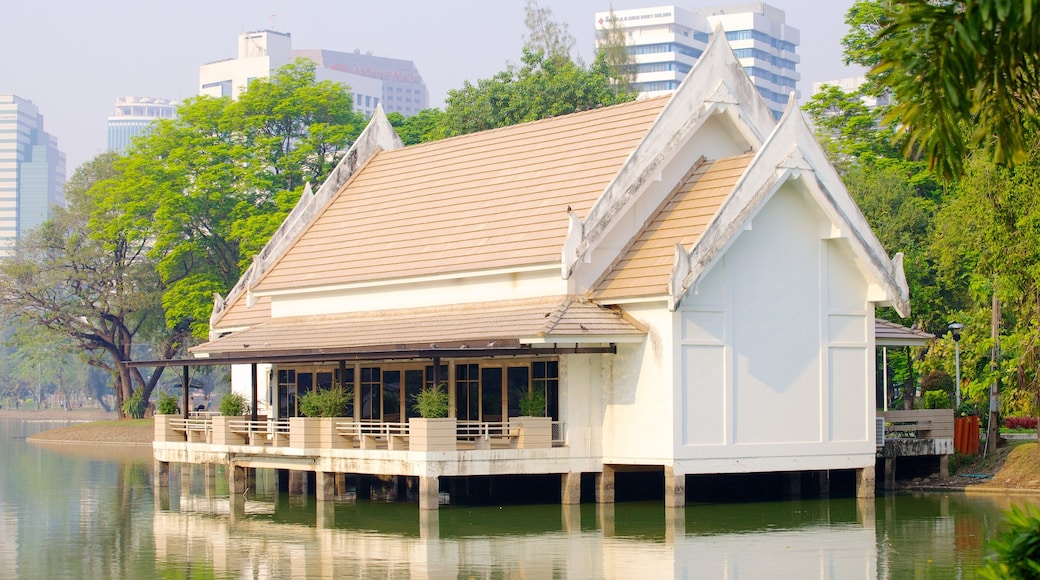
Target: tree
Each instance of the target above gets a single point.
(613, 46)
(66, 282)
(426, 125)
(964, 75)
(210, 187)
(545, 35)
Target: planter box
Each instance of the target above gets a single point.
(164, 431)
(531, 432)
(432, 434)
(330, 438)
(222, 434)
(305, 432)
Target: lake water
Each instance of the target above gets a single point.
(66, 512)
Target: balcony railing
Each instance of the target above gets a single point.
(340, 434)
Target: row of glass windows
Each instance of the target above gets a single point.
(754, 71)
(655, 86)
(760, 37)
(652, 67)
(488, 391)
(763, 55)
(666, 47)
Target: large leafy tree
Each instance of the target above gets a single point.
(964, 74)
(97, 289)
(209, 187)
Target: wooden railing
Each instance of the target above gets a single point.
(918, 424)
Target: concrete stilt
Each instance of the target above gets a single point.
(865, 482)
(186, 476)
(890, 473)
(674, 487)
(341, 484)
(236, 479)
(605, 485)
(325, 485)
(944, 467)
(297, 482)
(429, 492)
(570, 488)
(162, 474)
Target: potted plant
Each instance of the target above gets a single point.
(317, 428)
(533, 430)
(433, 430)
(233, 405)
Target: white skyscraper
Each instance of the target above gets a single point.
(665, 41)
(32, 170)
(395, 83)
(133, 116)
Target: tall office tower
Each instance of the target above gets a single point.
(32, 170)
(393, 82)
(665, 41)
(133, 117)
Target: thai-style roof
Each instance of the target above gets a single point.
(644, 267)
(891, 334)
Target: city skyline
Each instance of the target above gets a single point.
(97, 51)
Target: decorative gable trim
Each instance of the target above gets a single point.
(378, 135)
(792, 152)
(717, 83)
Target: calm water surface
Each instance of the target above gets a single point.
(74, 513)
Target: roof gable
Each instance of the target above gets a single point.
(716, 86)
(792, 153)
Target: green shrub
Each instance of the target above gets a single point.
(167, 405)
(134, 406)
(431, 403)
(233, 405)
(936, 400)
(1017, 548)
(532, 404)
(326, 403)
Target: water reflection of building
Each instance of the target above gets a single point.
(455, 544)
(684, 281)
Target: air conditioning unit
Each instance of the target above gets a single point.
(879, 431)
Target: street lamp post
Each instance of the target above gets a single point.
(955, 329)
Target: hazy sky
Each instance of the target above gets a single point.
(72, 58)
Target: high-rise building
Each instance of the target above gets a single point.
(665, 42)
(852, 85)
(32, 170)
(133, 117)
(393, 82)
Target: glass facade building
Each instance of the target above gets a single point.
(32, 170)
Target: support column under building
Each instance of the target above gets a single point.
(236, 479)
(890, 474)
(429, 492)
(325, 485)
(605, 485)
(674, 487)
(297, 482)
(570, 488)
(865, 482)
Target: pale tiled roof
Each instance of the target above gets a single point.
(474, 325)
(495, 199)
(242, 316)
(643, 268)
(891, 334)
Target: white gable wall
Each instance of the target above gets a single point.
(773, 349)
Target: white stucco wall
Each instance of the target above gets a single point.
(774, 351)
